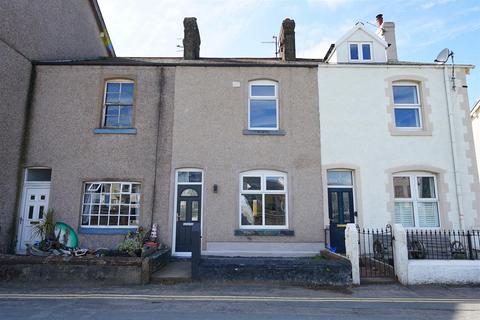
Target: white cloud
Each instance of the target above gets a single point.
(316, 51)
(332, 4)
(152, 28)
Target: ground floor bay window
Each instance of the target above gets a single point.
(263, 200)
(111, 204)
(416, 200)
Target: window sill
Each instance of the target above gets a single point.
(264, 232)
(400, 132)
(248, 132)
(88, 230)
(115, 131)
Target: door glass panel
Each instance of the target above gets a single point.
(40, 212)
(346, 207)
(189, 193)
(182, 213)
(194, 210)
(30, 212)
(39, 174)
(334, 206)
(339, 178)
(195, 177)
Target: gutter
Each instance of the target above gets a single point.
(102, 27)
(172, 64)
(23, 155)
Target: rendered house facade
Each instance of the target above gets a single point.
(31, 31)
(398, 147)
(263, 154)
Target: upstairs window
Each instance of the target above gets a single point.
(360, 51)
(416, 200)
(263, 200)
(263, 105)
(118, 104)
(406, 106)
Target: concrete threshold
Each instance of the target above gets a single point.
(172, 273)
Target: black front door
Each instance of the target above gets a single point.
(188, 213)
(340, 212)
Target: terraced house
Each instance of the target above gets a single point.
(263, 154)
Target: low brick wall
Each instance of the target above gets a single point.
(81, 270)
(298, 271)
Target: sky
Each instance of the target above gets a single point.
(237, 28)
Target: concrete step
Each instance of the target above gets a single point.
(174, 272)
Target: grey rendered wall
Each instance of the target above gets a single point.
(209, 118)
(14, 82)
(66, 109)
(51, 29)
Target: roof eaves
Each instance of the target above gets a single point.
(102, 27)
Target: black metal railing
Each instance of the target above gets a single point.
(376, 253)
(443, 244)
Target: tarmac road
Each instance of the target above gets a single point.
(206, 300)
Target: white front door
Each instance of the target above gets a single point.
(34, 208)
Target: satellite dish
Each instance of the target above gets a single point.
(443, 56)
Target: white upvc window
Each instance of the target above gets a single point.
(416, 200)
(360, 51)
(263, 200)
(407, 106)
(118, 104)
(263, 105)
(110, 204)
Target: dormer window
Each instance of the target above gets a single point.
(360, 51)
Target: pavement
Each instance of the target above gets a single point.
(234, 300)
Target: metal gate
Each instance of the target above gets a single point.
(376, 253)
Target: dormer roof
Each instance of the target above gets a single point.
(360, 26)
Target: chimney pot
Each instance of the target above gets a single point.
(287, 40)
(191, 39)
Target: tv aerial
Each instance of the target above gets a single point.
(275, 41)
(442, 58)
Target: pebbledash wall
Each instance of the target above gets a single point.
(67, 108)
(27, 33)
(357, 133)
(210, 117)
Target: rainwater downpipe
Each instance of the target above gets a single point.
(451, 128)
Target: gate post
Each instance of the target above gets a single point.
(352, 251)
(400, 253)
(196, 250)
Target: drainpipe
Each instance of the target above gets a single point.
(160, 110)
(451, 129)
(13, 230)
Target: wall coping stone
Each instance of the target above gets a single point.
(261, 232)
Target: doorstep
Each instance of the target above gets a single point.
(174, 272)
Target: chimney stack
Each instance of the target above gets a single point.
(287, 40)
(386, 31)
(191, 39)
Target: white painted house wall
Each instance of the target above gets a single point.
(361, 35)
(356, 133)
(475, 118)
